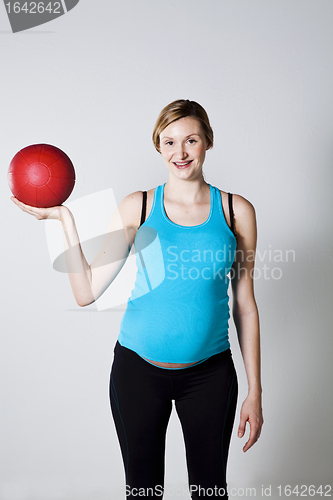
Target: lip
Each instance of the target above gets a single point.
(184, 165)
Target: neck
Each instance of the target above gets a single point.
(188, 191)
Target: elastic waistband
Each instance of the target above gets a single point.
(210, 362)
(181, 368)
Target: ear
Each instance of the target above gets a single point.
(208, 142)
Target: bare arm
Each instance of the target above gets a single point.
(246, 317)
(89, 281)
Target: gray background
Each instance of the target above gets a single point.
(92, 83)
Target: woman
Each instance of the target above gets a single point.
(173, 343)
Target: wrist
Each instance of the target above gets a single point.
(255, 392)
(66, 216)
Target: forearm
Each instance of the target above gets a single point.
(78, 269)
(248, 332)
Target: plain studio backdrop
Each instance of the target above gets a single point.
(92, 83)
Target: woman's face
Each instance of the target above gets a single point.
(183, 145)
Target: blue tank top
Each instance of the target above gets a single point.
(178, 311)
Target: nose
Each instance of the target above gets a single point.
(180, 152)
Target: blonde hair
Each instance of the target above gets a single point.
(181, 109)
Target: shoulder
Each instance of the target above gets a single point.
(244, 213)
(240, 204)
(130, 208)
(243, 208)
(245, 218)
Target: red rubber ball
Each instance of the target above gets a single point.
(41, 175)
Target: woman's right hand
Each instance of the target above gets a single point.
(41, 213)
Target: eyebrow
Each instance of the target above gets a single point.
(185, 137)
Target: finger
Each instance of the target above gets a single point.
(36, 212)
(260, 428)
(241, 427)
(15, 200)
(20, 203)
(40, 211)
(29, 210)
(250, 442)
(254, 435)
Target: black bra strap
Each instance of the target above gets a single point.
(144, 203)
(231, 213)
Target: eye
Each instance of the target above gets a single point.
(169, 143)
(192, 141)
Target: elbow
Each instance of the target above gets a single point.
(244, 303)
(85, 296)
(83, 303)
(241, 311)
(246, 313)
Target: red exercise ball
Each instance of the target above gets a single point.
(41, 175)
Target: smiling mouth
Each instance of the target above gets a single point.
(182, 164)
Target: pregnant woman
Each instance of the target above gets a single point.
(173, 343)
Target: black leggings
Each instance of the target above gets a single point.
(205, 397)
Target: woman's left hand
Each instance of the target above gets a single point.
(251, 412)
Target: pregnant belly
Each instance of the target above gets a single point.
(170, 365)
